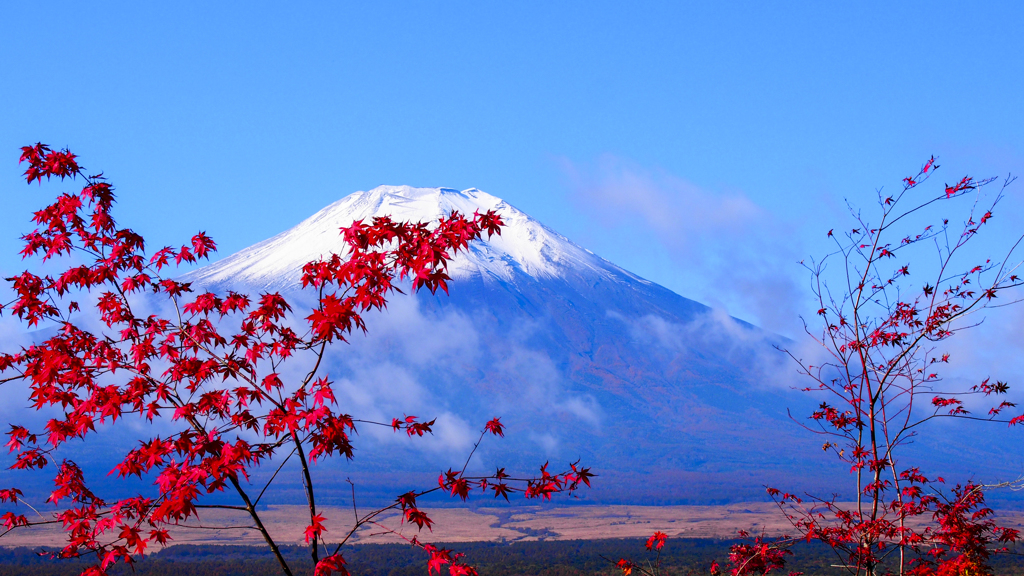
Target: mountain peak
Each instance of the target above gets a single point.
(412, 203)
(412, 191)
(525, 249)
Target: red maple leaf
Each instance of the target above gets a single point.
(315, 528)
(657, 541)
(496, 427)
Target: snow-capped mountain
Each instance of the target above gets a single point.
(526, 248)
(580, 357)
(667, 399)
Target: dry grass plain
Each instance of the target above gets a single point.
(508, 524)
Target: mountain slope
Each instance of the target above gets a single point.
(580, 357)
(668, 400)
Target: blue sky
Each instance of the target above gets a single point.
(705, 146)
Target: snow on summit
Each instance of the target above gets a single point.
(524, 247)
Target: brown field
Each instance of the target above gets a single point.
(287, 523)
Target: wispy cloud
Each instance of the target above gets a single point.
(543, 388)
(761, 356)
(744, 251)
(434, 362)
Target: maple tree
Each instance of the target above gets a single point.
(885, 339)
(214, 369)
(881, 336)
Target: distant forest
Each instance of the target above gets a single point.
(546, 558)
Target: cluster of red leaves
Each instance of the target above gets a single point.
(650, 567)
(960, 541)
(411, 426)
(455, 483)
(627, 566)
(756, 556)
(442, 556)
(655, 543)
(218, 384)
(962, 536)
(334, 563)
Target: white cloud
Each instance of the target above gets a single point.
(745, 252)
(547, 443)
(542, 386)
(762, 355)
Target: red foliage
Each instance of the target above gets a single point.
(213, 382)
(652, 567)
(656, 541)
(756, 557)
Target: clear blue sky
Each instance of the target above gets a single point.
(242, 119)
